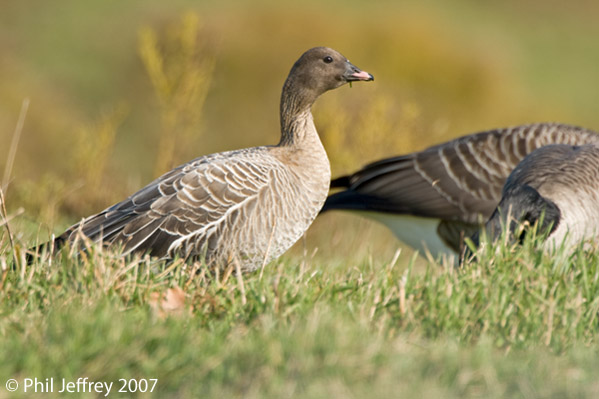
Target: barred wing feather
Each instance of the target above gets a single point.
(181, 212)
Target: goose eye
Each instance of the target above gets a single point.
(328, 59)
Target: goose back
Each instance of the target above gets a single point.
(556, 185)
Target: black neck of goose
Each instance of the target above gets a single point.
(296, 101)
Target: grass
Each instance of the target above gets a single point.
(518, 323)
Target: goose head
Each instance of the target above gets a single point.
(321, 69)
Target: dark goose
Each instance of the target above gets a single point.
(433, 198)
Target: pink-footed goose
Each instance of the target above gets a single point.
(556, 186)
(248, 205)
(433, 198)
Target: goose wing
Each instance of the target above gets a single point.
(187, 203)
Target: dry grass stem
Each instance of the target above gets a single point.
(12, 152)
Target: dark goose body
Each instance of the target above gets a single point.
(433, 198)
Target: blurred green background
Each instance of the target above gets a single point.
(123, 91)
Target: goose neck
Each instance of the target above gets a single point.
(296, 118)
